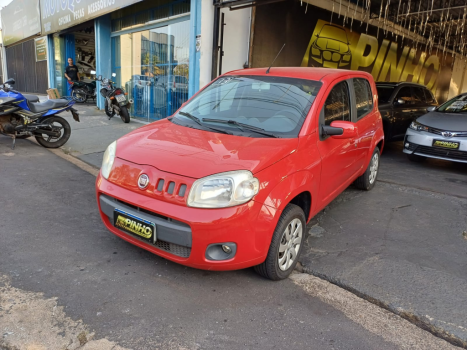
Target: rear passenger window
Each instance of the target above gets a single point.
(337, 106)
(363, 98)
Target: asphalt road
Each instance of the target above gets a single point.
(53, 242)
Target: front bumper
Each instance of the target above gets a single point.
(421, 143)
(184, 233)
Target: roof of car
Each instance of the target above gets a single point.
(390, 83)
(311, 73)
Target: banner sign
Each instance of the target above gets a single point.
(318, 39)
(41, 48)
(20, 20)
(61, 14)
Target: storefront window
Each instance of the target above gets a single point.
(152, 66)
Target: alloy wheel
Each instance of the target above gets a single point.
(374, 167)
(290, 244)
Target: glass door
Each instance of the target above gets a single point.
(152, 65)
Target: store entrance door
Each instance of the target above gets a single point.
(77, 43)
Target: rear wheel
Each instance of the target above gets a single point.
(61, 130)
(415, 158)
(368, 179)
(124, 114)
(79, 95)
(286, 245)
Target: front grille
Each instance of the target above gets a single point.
(439, 132)
(439, 152)
(175, 249)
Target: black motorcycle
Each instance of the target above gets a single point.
(116, 99)
(81, 91)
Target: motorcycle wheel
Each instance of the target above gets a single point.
(124, 114)
(58, 124)
(79, 95)
(110, 113)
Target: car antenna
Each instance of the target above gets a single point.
(267, 72)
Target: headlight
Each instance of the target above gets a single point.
(418, 127)
(223, 190)
(108, 160)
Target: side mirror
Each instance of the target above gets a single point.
(10, 81)
(99, 78)
(93, 72)
(431, 109)
(114, 75)
(340, 129)
(400, 102)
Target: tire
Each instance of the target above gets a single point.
(110, 114)
(65, 134)
(415, 158)
(368, 180)
(124, 114)
(79, 95)
(273, 268)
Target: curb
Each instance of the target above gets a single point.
(417, 320)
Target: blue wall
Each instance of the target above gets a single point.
(195, 29)
(102, 28)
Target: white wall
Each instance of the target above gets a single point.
(236, 38)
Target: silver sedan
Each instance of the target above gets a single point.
(441, 133)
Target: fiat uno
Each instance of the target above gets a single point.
(232, 178)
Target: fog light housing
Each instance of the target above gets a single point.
(407, 145)
(221, 251)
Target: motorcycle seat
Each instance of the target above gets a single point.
(45, 106)
(31, 98)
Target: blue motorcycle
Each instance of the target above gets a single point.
(23, 116)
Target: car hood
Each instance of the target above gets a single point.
(198, 153)
(445, 121)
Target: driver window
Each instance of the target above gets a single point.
(405, 94)
(337, 105)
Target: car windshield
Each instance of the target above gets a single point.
(456, 105)
(384, 93)
(254, 106)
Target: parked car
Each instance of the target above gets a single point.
(231, 179)
(400, 104)
(441, 133)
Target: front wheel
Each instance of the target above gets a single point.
(124, 114)
(368, 179)
(286, 245)
(61, 133)
(108, 109)
(79, 95)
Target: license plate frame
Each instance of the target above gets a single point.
(135, 226)
(444, 144)
(120, 98)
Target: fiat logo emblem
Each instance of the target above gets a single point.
(447, 134)
(143, 181)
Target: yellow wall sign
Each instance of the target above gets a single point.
(334, 46)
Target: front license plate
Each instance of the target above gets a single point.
(446, 144)
(121, 98)
(135, 225)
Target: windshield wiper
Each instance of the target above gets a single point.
(242, 126)
(198, 121)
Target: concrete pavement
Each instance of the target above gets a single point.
(66, 282)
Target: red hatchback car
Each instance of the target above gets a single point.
(231, 179)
